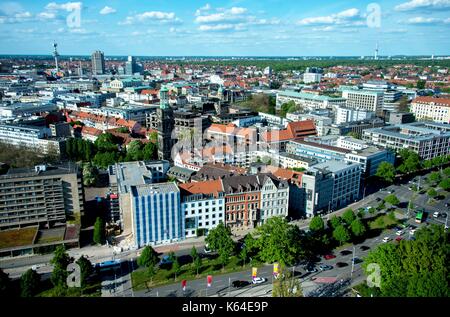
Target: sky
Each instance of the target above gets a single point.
(226, 28)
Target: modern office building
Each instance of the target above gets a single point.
(203, 206)
(46, 196)
(370, 158)
(122, 176)
(345, 115)
(98, 63)
(165, 126)
(431, 108)
(315, 192)
(346, 181)
(312, 78)
(156, 215)
(130, 66)
(32, 137)
(364, 100)
(427, 139)
(320, 152)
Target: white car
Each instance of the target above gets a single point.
(399, 232)
(412, 231)
(436, 214)
(258, 280)
(386, 239)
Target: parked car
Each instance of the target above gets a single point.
(399, 232)
(165, 260)
(258, 280)
(345, 252)
(329, 256)
(325, 267)
(310, 269)
(239, 284)
(386, 239)
(398, 239)
(341, 264)
(412, 231)
(436, 214)
(356, 260)
(364, 248)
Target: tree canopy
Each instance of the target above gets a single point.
(316, 224)
(414, 268)
(29, 283)
(386, 171)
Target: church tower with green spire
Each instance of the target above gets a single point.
(165, 125)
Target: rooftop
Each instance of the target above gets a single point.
(151, 189)
(309, 96)
(205, 187)
(333, 166)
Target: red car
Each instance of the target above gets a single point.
(329, 256)
(398, 239)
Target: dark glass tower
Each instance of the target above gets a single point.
(165, 126)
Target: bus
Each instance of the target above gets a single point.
(108, 265)
(420, 216)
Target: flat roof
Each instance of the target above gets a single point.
(304, 95)
(17, 237)
(150, 189)
(333, 166)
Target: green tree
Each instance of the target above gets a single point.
(105, 159)
(432, 192)
(90, 174)
(99, 231)
(335, 222)
(392, 199)
(106, 142)
(354, 135)
(445, 184)
(194, 254)
(413, 268)
(421, 84)
(219, 239)
(316, 224)
(150, 151)
(197, 264)
(386, 171)
(286, 285)
(287, 107)
(410, 161)
(29, 283)
(447, 171)
(148, 257)
(278, 241)
(153, 137)
(5, 285)
(358, 228)
(341, 234)
(60, 261)
(134, 150)
(176, 267)
(403, 105)
(86, 269)
(435, 177)
(348, 216)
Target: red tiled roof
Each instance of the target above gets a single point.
(203, 187)
(438, 101)
(91, 131)
(293, 130)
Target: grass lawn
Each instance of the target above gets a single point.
(382, 222)
(91, 290)
(17, 237)
(163, 276)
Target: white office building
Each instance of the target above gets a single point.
(345, 115)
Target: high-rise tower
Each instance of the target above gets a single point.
(376, 52)
(56, 55)
(98, 63)
(165, 125)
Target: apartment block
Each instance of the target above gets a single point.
(430, 108)
(46, 196)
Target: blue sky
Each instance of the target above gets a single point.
(235, 27)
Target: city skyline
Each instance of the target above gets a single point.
(226, 28)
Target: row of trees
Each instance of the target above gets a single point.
(107, 150)
(30, 281)
(408, 162)
(412, 268)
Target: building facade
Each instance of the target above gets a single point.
(430, 108)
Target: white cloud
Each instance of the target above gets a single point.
(46, 15)
(69, 6)
(221, 27)
(423, 4)
(107, 10)
(233, 14)
(206, 7)
(337, 18)
(157, 16)
(10, 8)
(423, 20)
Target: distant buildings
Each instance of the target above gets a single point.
(431, 108)
(311, 78)
(345, 115)
(307, 100)
(425, 138)
(165, 126)
(98, 63)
